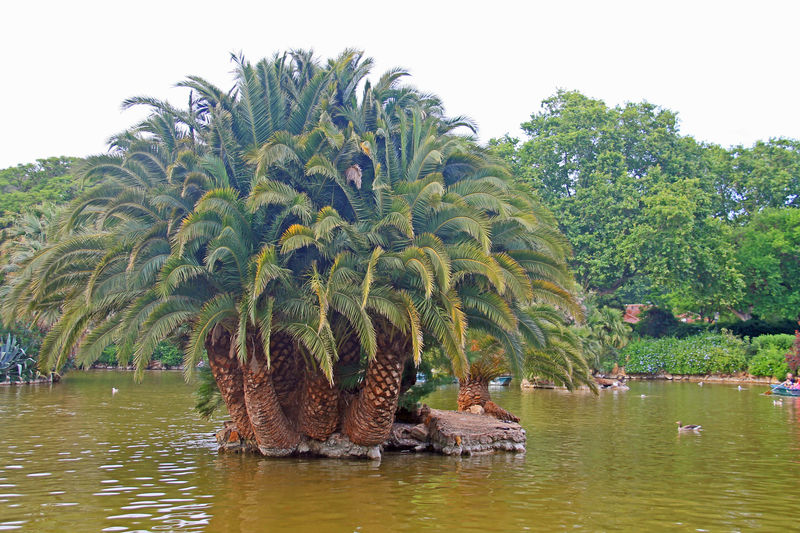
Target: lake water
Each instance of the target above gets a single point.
(75, 458)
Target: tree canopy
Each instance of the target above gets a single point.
(652, 214)
(23, 187)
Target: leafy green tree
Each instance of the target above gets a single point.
(24, 187)
(766, 175)
(690, 256)
(651, 214)
(768, 253)
(595, 166)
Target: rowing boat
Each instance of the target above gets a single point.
(780, 390)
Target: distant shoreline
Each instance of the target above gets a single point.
(707, 378)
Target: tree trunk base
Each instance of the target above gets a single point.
(336, 445)
(435, 431)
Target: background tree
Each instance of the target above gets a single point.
(32, 185)
(651, 215)
(768, 254)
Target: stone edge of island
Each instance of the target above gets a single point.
(437, 431)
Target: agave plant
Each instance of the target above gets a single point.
(15, 364)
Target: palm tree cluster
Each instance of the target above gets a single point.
(310, 231)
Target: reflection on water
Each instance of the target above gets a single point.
(74, 457)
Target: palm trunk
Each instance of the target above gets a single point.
(472, 391)
(273, 431)
(475, 391)
(286, 367)
(319, 406)
(228, 375)
(368, 419)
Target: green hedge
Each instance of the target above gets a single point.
(770, 355)
(781, 342)
(700, 354)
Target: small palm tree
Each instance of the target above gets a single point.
(603, 334)
(558, 357)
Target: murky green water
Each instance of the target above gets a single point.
(75, 458)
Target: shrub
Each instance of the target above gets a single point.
(755, 327)
(28, 336)
(769, 355)
(658, 323)
(782, 342)
(701, 354)
(168, 354)
(793, 355)
(109, 356)
(769, 361)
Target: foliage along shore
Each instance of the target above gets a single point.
(739, 377)
(711, 357)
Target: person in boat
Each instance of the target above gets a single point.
(790, 381)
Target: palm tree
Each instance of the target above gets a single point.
(557, 357)
(307, 239)
(487, 361)
(25, 237)
(604, 333)
(562, 359)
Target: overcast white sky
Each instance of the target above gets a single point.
(730, 69)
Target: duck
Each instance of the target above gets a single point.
(688, 427)
(700, 384)
(114, 390)
(740, 387)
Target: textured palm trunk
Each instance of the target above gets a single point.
(475, 391)
(228, 375)
(287, 369)
(369, 417)
(472, 391)
(274, 433)
(319, 406)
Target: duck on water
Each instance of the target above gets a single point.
(688, 427)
